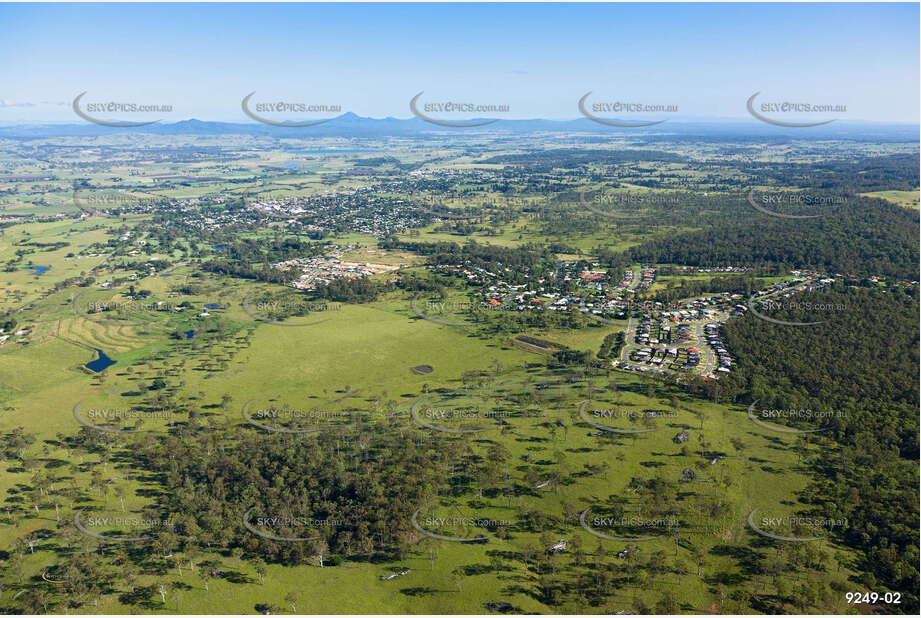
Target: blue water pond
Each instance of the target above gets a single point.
(101, 363)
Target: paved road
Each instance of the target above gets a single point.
(708, 353)
(629, 337)
(699, 340)
(635, 281)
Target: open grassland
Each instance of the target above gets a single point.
(361, 359)
(82, 247)
(198, 357)
(908, 199)
(525, 231)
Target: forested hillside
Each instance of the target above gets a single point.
(863, 236)
(860, 364)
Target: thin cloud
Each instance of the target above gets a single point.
(5, 103)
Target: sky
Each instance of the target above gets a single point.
(536, 59)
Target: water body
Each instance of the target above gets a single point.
(101, 363)
(165, 275)
(39, 270)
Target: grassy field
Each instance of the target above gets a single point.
(576, 437)
(523, 232)
(908, 199)
(368, 352)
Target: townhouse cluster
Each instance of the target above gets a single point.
(712, 333)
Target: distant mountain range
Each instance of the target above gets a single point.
(351, 125)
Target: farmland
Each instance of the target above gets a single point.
(425, 357)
